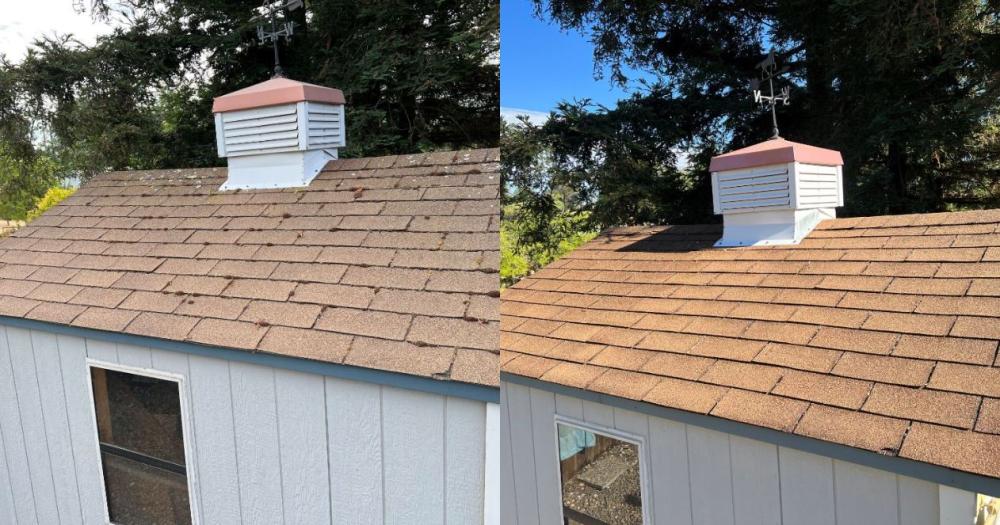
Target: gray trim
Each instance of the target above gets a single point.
(897, 465)
(483, 393)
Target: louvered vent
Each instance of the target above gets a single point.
(755, 188)
(775, 192)
(326, 125)
(263, 130)
(279, 133)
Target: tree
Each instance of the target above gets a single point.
(909, 91)
(418, 75)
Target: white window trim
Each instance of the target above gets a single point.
(186, 429)
(635, 439)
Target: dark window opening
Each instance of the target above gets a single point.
(141, 437)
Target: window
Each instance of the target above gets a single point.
(987, 510)
(600, 477)
(141, 438)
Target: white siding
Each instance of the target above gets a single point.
(269, 445)
(701, 476)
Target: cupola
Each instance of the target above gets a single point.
(279, 133)
(775, 192)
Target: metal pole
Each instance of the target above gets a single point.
(278, 72)
(774, 113)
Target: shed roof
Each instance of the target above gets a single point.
(387, 263)
(879, 333)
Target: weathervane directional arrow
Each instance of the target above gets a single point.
(277, 32)
(768, 71)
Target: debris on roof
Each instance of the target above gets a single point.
(388, 263)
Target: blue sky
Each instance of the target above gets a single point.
(540, 65)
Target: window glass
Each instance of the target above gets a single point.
(600, 478)
(987, 510)
(142, 448)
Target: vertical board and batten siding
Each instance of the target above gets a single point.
(698, 476)
(269, 445)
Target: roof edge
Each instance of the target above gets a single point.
(895, 464)
(778, 152)
(486, 394)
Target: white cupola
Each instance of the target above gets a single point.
(279, 133)
(775, 192)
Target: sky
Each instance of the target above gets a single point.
(540, 65)
(21, 22)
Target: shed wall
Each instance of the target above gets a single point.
(699, 476)
(270, 445)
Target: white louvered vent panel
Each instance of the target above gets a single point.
(754, 189)
(818, 186)
(326, 125)
(262, 130)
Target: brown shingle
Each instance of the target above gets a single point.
(55, 312)
(455, 332)
(163, 326)
(685, 395)
(630, 385)
(309, 344)
(334, 295)
(283, 314)
(909, 323)
(822, 388)
(207, 306)
(989, 417)
(857, 429)
(103, 297)
(401, 357)
(952, 448)
(742, 375)
(427, 303)
(798, 357)
(363, 322)
(260, 289)
(760, 409)
(974, 351)
(883, 369)
(856, 340)
(229, 334)
(569, 374)
(923, 405)
(103, 318)
(152, 302)
(982, 380)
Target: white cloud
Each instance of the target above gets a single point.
(25, 21)
(509, 115)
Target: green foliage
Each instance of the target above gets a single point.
(522, 251)
(52, 197)
(542, 221)
(22, 182)
(418, 75)
(909, 91)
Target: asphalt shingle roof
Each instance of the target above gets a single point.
(879, 333)
(387, 263)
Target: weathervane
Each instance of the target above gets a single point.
(768, 71)
(285, 31)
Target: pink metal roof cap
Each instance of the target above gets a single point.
(775, 151)
(275, 92)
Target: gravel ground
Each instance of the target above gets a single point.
(620, 503)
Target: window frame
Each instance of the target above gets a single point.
(634, 439)
(187, 429)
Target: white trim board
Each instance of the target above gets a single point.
(645, 487)
(186, 428)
